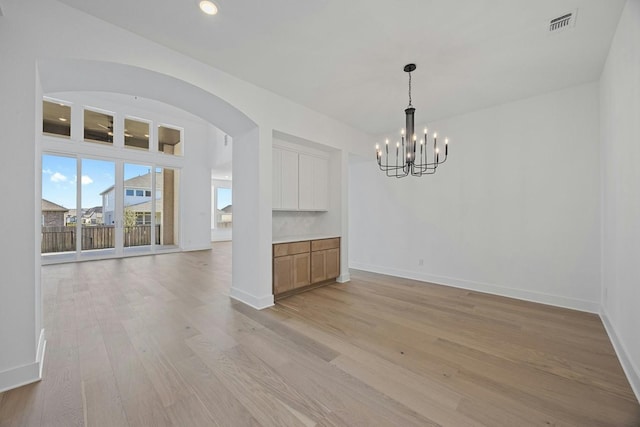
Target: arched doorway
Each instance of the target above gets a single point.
(252, 216)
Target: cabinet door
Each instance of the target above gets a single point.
(276, 196)
(313, 183)
(289, 180)
(318, 266)
(301, 270)
(306, 178)
(320, 184)
(332, 263)
(282, 274)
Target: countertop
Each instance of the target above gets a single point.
(303, 237)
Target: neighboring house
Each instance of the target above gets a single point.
(224, 217)
(142, 212)
(71, 217)
(53, 215)
(137, 192)
(92, 216)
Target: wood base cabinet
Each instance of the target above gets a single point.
(325, 260)
(299, 266)
(291, 266)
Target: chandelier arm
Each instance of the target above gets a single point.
(425, 172)
(433, 163)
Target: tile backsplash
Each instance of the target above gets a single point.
(299, 223)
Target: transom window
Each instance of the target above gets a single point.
(109, 128)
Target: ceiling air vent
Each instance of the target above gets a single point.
(563, 22)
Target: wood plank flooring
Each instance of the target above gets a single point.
(156, 341)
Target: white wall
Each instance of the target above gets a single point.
(31, 48)
(514, 211)
(620, 135)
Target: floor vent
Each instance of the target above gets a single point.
(563, 22)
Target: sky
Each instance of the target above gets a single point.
(60, 175)
(59, 180)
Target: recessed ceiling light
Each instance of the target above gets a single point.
(62, 119)
(208, 7)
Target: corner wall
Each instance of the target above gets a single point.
(515, 211)
(620, 136)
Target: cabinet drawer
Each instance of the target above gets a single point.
(321, 245)
(284, 249)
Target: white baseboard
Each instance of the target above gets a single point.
(344, 278)
(197, 248)
(26, 374)
(555, 300)
(251, 300)
(628, 365)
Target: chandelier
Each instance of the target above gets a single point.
(412, 156)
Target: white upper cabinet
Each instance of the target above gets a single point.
(289, 180)
(300, 181)
(285, 179)
(276, 182)
(313, 178)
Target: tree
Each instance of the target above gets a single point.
(129, 218)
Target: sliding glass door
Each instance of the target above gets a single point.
(115, 208)
(59, 201)
(138, 207)
(97, 179)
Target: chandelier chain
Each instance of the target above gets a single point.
(410, 90)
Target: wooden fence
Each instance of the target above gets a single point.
(63, 239)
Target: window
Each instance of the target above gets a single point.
(56, 119)
(139, 193)
(147, 193)
(129, 192)
(224, 208)
(98, 127)
(58, 203)
(169, 141)
(136, 134)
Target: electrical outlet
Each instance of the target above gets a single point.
(420, 262)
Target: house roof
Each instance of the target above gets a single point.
(48, 206)
(140, 181)
(91, 211)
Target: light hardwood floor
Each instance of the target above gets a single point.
(156, 341)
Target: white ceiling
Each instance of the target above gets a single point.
(345, 58)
